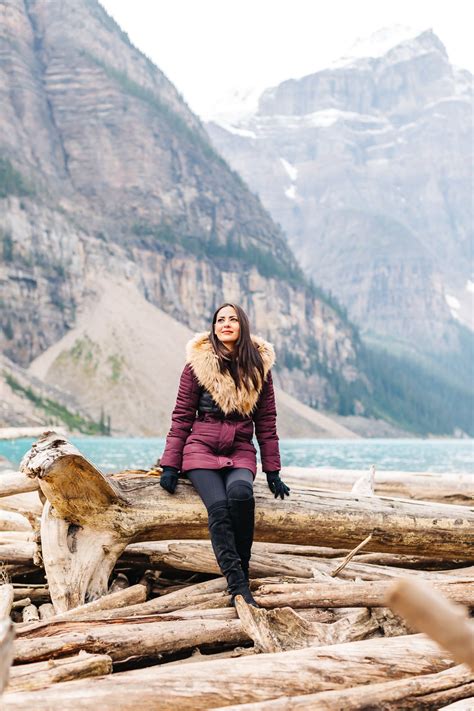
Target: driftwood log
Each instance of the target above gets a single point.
(89, 519)
(445, 488)
(356, 594)
(426, 691)
(40, 675)
(242, 680)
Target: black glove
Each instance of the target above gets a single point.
(169, 479)
(276, 485)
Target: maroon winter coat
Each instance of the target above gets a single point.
(206, 441)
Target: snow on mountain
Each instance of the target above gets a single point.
(377, 44)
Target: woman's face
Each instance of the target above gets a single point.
(227, 327)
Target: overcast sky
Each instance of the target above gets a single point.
(208, 47)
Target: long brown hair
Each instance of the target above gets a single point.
(244, 362)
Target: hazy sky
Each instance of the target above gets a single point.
(207, 47)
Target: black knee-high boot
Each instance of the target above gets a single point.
(242, 512)
(223, 544)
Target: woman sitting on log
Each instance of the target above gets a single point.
(227, 380)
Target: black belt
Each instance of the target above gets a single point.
(222, 416)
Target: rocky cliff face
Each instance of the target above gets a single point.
(367, 166)
(106, 176)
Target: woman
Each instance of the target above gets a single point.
(227, 380)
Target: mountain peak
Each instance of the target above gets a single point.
(379, 43)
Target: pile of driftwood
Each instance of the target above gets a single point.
(110, 595)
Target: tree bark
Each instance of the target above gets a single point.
(96, 517)
(243, 680)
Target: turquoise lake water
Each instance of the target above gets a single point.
(113, 454)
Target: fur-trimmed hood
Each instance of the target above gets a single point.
(205, 365)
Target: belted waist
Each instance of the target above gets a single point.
(234, 417)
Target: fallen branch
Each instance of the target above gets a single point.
(350, 555)
(428, 611)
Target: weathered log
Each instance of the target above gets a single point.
(357, 594)
(12, 521)
(21, 604)
(27, 504)
(282, 629)
(242, 680)
(199, 556)
(40, 675)
(175, 554)
(446, 488)
(17, 552)
(115, 601)
(6, 600)
(6, 651)
(55, 626)
(36, 593)
(96, 517)
(426, 691)
(14, 536)
(132, 641)
(428, 611)
(16, 483)
(30, 613)
(150, 548)
(46, 611)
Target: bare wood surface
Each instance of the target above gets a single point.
(95, 517)
(283, 629)
(128, 641)
(454, 488)
(6, 651)
(46, 611)
(13, 521)
(6, 600)
(16, 483)
(17, 551)
(40, 675)
(350, 555)
(420, 692)
(242, 680)
(428, 611)
(134, 595)
(296, 560)
(30, 613)
(357, 594)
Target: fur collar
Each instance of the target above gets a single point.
(204, 362)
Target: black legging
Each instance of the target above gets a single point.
(215, 485)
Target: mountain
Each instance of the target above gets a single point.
(122, 229)
(107, 178)
(367, 165)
